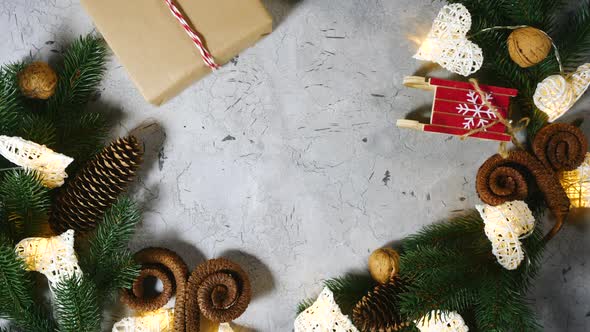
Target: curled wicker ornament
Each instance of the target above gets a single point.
(560, 146)
(219, 289)
(170, 269)
(500, 180)
(557, 147)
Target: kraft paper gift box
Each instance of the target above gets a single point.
(156, 51)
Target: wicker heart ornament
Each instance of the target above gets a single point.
(447, 43)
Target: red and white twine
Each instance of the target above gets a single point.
(205, 54)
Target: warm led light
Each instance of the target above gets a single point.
(324, 315)
(54, 256)
(438, 321)
(447, 42)
(505, 225)
(50, 165)
(556, 94)
(161, 320)
(577, 184)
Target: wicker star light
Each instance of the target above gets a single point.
(53, 256)
(324, 316)
(447, 43)
(505, 225)
(161, 320)
(556, 94)
(438, 321)
(50, 165)
(577, 184)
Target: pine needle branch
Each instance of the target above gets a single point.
(26, 203)
(82, 72)
(350, 289)
(76, 303)
(107, 261)
(16, 288)
(11, 100)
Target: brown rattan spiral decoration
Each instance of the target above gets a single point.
(557, 147)
(218, 288)
(170, 269)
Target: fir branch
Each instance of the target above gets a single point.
(11, 100)
(83, 69)
(76, 304)
(81, 136)
(26, 203)
(107, 261)
(458, 232)
(350, 289)
(16, 299)
(38, 129)
(574, 41)
(303, 305)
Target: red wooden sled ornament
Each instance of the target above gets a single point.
(458, 109)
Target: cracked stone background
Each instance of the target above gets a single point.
(288, 159)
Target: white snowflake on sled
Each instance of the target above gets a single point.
(476, 112)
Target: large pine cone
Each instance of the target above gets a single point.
(83, 201)
(378, 311)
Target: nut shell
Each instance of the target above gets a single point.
(384, 265)
(528, 46)
(37, 81)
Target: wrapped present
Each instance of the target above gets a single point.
(458, 109)
(153, 45)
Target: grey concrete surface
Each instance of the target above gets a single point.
(288, 159)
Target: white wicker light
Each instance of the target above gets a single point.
(54, 256)
(447, 43)
(225, 327)
(577, 184)
(50, 165)
(505, 225)
(161, 320)
(439, 321)
(556, 94)
(324, 316)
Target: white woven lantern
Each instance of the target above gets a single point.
(54, 256)
(161, 320)
(50, 165)
(447, 43)
(324, 316)
(505, 225)
(556, 94)
(438, 321)
(577, 184)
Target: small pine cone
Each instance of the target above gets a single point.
(83, 201)
(378, 311)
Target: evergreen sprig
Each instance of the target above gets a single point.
(11, 101)
(76, 304)
(16, 293)
(108, 261)
(25, 203)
